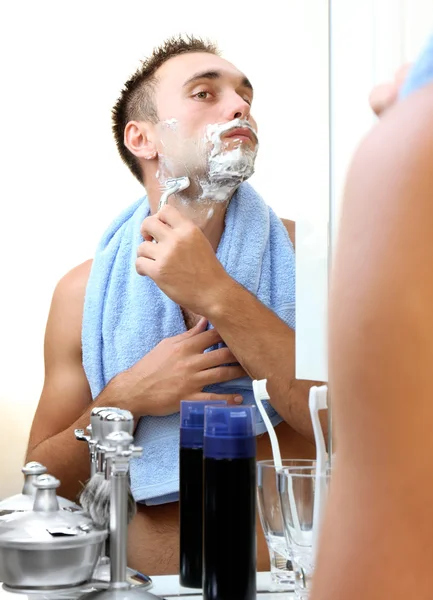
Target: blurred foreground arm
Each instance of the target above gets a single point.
(378, 531)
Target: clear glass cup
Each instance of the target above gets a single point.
(298, 488)
(271, 519)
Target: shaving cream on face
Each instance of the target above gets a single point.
(178, 155)
(227, 167)
(214, 168)
(170, 123)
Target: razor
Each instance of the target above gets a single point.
(173, 186)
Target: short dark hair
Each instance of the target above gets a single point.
(137, 100)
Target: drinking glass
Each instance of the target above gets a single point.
(271, 520)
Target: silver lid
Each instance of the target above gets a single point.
(47, 526)
(96, 416)
(113, 421)
(33, 468)
(24, 501)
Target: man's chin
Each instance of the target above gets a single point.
(222, 187)
(234, 171)
(232, 179)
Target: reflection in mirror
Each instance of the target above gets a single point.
(236, 145)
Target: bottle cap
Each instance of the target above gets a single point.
(192, 421)
(229, 432)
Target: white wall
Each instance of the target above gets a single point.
(63, 64)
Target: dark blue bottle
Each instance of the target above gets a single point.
(191, 491)
(229, 530)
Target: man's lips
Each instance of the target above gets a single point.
(242, 133)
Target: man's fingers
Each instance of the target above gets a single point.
(229, 398)
(382, 97)
(220, 375)
(169, 215)
(145, 267)
(198, 328)
(204, 340)
(215, 358)
(153, 228)
(147, 250)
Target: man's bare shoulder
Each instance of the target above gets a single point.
(291, 229)
(66, 312)
(72, 286)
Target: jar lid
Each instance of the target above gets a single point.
(24, 501)
(46, 525)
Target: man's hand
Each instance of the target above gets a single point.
(178, 369)
(383, 96)
(183, 263)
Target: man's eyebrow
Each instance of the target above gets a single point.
(214, 75)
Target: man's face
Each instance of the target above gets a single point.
(205, 129)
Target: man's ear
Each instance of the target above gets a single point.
(383, 96)
(139, 140)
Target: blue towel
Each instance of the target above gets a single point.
(421, 72)
(126, 315)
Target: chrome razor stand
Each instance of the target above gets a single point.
(119, 449)
(103, 422)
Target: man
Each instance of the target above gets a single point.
(384, 95)
(377, 537)
(185, 112)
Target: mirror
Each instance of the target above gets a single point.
(63, 182)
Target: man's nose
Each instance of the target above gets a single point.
(237, 108)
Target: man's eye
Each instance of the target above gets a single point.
(201, 95)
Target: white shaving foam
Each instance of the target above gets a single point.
(221, 170)
(171, 123)
(226, 168)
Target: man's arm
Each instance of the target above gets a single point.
(176, 368)
(270, 356)
(66, 401)
(66, 394)
(265, 346)
(377, 537)
(183, 264)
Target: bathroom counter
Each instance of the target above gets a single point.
(168, 587)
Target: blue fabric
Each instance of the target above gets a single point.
(421, 72)
(126, 315)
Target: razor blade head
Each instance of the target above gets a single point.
(173, 186)
(177, 184)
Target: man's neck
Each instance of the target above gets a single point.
(208, 215)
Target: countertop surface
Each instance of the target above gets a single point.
(169, 587)
(164, 587)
